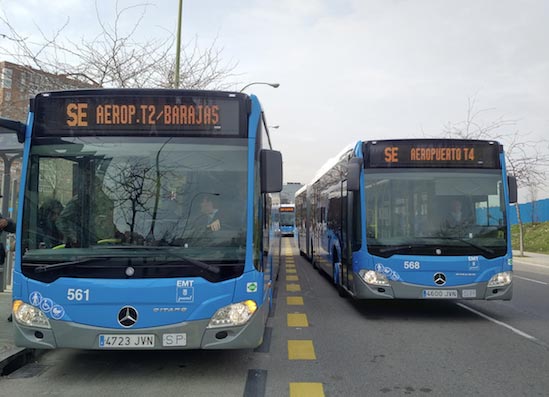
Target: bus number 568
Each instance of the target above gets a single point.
(411, 265)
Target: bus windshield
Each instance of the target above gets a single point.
(435, 212)
(287, 218)
(134, 197)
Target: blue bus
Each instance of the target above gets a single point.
(412, 219)
(131, 233)
(302, 221)
(287, 220)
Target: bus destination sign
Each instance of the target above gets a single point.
(286, 209)
(118, 114)
(432, 153)
(81, 115)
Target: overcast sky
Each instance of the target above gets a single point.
(355, 69)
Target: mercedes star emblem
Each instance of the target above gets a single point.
(127, 316)
(440, 279)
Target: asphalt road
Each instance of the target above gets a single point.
(320, 344)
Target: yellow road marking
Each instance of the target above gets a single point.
(297, 320)
(306, 389)
(294, 300)
(293, 271)
(301, 350)
(293, 288)
(292, 278)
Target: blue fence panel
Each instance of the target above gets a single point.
(536, 211)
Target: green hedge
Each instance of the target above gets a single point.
(536, 237)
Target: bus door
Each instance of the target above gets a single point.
(346, 262)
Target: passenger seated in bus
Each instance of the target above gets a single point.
(49, 234)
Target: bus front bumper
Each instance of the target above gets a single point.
(402, 290)
(185, 335)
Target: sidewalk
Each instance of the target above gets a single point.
(531, 258)
(9, 353)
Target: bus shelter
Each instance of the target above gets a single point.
(10, 173)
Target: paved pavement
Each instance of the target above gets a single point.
(531, 258)
(10, 353)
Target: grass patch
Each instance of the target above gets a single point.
(536, 237)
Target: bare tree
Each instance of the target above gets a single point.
(132, 193)
(524, 158)
(533, 190)
(115, 58)
(200, 68)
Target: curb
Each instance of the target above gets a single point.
(12, 358)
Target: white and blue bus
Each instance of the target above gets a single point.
(287, 220)
(412, 219)
(131, 233)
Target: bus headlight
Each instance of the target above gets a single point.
(234, 314)
(30, 316)
(500, 279)
(374, 278)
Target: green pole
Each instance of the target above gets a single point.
(178, 44)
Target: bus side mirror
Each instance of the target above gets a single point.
(512, 184)
(353, 174)
(15, 126)
(271, 171)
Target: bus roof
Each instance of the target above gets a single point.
(332, 161)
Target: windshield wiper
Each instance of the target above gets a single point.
(396, 248)
(134, 247)
(168, 249)
(179, 260)
(403, 247)
(189, 261)
(461, 240)
(46, 268)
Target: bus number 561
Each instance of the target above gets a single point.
(77, 294)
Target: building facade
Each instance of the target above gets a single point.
(287, 196)
(19, 83)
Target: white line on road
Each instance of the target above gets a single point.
(530, 264)
(515, 330)
(529, 279)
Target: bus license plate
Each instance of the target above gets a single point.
(440, 293)
(126, 341)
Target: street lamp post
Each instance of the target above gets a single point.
(178, 45)
(274, 85)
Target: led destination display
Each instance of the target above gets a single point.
(432, 153)
(119, 112)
